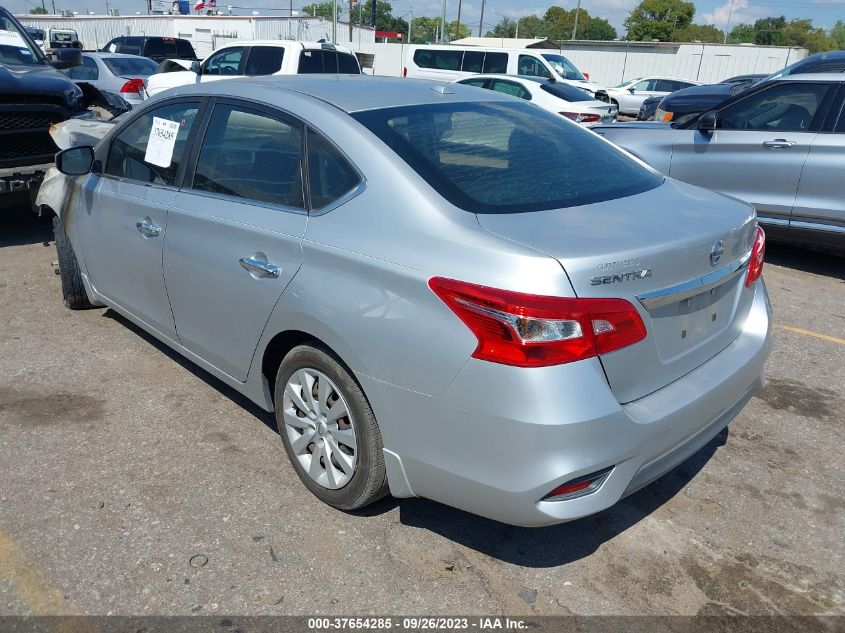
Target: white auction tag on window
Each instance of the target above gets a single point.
(161, 143)
(10, 38)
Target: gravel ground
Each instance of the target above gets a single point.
(132, 482)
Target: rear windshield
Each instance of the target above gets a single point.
(135, 66)
(328, 62)
(506, 157)
(566, 92)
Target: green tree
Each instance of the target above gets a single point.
(38, 11)
(385, 20)
(837, 35)
(598, 29)
(532, 26)
(424, 30)
(769, 31)
(742, 34)
(320, 9)
(454, 33)
(505, 28)
(700, 33)
(659, 19)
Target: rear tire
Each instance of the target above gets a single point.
(73, 290)
(343, 476)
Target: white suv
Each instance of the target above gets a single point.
(261, 57)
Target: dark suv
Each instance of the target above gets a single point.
(154, 47)
(685, 105)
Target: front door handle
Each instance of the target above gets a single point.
(262, 269)
(148, 229)
(779, 143)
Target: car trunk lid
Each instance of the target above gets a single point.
(653, 249)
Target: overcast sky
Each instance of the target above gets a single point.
(823, 12)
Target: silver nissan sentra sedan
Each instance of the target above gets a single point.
(441, 291)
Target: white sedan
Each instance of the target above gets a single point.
(629, 95)
(573, 103)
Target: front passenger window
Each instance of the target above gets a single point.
(226, 62)
(788, 107)
(251, 155)
(128, 155)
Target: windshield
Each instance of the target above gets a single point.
(496, 157)
(564, 67)
(625, 84)
(134, 66)
(15, 48)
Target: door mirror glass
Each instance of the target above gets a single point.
(67, 58)
(195, 66)
(707, 121)
(75, 161)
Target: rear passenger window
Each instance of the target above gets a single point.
(473, 62)
(225, 62)
(496, 63)
(130, 45)
(438, 59)
(477, 83)
(347, 64)
(310, 62)
(265, 60)
(510, 88)
(251, 155)
(330, 176)
(127, 154)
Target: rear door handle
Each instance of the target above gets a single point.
(148, 229)
(779, 143)
(262, 269)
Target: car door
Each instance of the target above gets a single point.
(818, 216)
(234, 232)
(631, 99)
(123, 213)
(758, 149)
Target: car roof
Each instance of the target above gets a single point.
(106, 54)
(840, 76)
(539, 80)
(350, 93)
(286, 44)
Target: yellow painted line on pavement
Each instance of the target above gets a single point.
(22, 574)
(818, 335)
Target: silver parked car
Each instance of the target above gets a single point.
(115, 72)
(629, 95)
(414, 277)
(780, 146)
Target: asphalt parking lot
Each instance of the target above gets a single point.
(132, 482)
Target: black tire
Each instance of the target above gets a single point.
(73, 291)
(369, 480)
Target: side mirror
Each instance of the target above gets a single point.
(195, 66)
(707, 121)
(75, 161)
(67, 58)
(631, 90)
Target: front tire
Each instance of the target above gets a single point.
(73, 290)
(328, 429)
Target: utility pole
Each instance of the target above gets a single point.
(350, 22)
(43, 7)
(727, 26)
(575, 26)
(458, 28)
(481, 22)
(54, 7)
(516, 36)
(442, 21)
(334, 21)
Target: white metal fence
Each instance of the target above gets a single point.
(205, 32)
(611, 63)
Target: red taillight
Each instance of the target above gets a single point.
(526, 330)
(758, 253)
(582, 118)
(133, 85)
(405, 71)
(580, 487)
(586, 75)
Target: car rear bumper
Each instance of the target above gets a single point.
(501, 438)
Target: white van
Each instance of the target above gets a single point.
(254, 58)
(448, 63)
